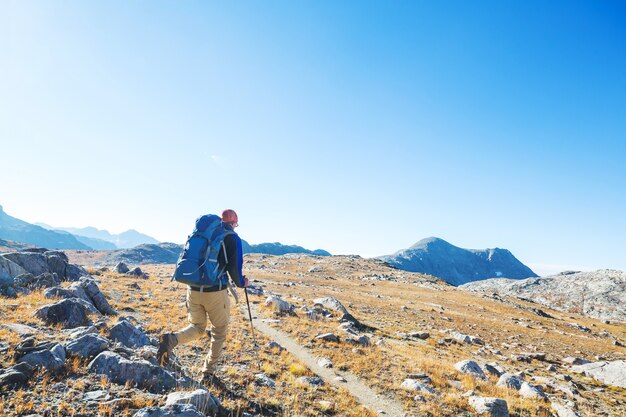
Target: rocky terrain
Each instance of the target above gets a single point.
(338, 335)
(458, 266)
(600, 294)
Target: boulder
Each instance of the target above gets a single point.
(608, 372)
(68, 313)
(331, 303)
(24, 280)
(45, 280)
(328, 336)
(141, 373)
(52, 359)
(200, 398)
(415, 385)
(313, 381)
(360, 340)
(563, 411)
(22, 330)
(493, 407)
(575, 361)
(170, 411)
(128, 335)
(121, 268)
(279, 304)
(97, 298)
(12, 379)
(493, 369)
(510, 381)
(471, 368)
(75, 272)
(325, 363)
(87, 346)
(56, 264)
(34, 263)
(8, 271)
(137, 272)
(532, 391)
(264, 380)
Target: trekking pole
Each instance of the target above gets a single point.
(256, 345)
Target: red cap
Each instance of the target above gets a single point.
(229, 216)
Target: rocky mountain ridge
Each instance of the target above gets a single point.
(456, 265)
(600, 294)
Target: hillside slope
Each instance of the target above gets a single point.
(456, 265)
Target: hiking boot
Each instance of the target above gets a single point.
(167, 342)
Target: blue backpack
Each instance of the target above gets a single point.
(197, 264)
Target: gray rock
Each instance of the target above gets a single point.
(137, 272)
(80, 331)
(575, 361)
(611, 373)
(68, 313)
(12, 379)
(415, 385)
(8, 271)
(463, 338)
(141, 373)
(121, 268)
(493, 369)
(325, 363)
(56, 264)
(96, 296)
(87, 346)
(420, 335)
(563, 411)
(359, 340)
(45, 280)
(331, 303)
(170, 411)
(128, 335)
(23, 280)
(510, 381)
(471, 368)
(22, 330)
(264, 380)
(34, 263)
(52, 359)
(279, 304)
(95, 395)
(314, 381)
(494, 407)
(328, 336)
(532, 391)
(274, 345)
(75, 272)
(200, 398)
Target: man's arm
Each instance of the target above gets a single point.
(234, 266)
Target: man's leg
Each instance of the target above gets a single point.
(196, 315)
(217, 306)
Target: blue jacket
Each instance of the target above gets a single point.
(234, 264)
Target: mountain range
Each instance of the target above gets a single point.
(435, 256)
(103, 239)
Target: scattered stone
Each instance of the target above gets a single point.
(325, 363)
(575, 361)
(87, 346)
(200, 398)
(313, 381)
(328, 336)
(128, 335)
(52, 359)
(611, 373)
(463, 338)
(137, 272)
(361, 340)
(264, 380)
(121, 268)
(510, 381)
(97, 298)
(551, 368)
(139, 372)
(563, 411)
(169, 411)
(279, 304)
(415, 385)
(274, 345)
(471, 368)
(493, 369)
(420, 335)
(96, 395)
(315, 269)
(331, 303)
(22, 330)
(68, 313)
(494, 407)
(532, 391)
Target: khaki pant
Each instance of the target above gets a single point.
(217, 306)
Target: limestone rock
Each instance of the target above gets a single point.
(68, 313)
(141, 373)
(87, 346)
(494, 407)
(128, 335)
(471, 368)
(200, 398)
(611, 373)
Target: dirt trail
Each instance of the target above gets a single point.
(381, 404)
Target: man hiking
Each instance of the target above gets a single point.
(211, 301)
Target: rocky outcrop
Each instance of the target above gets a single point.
(458, 266)
(611, 373)
(128, 335)
(68, 313)
(87, 346)
(51, 359)
(600, 294)
(140, 373)
(85, 290)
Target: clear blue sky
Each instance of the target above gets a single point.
(357, 127)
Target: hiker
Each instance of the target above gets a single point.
(211, 301)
